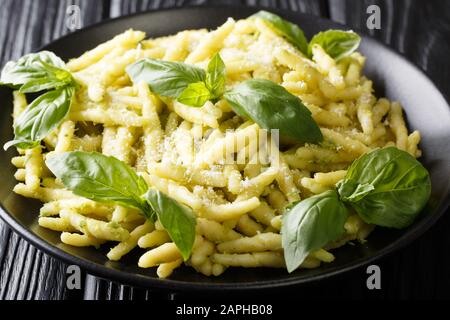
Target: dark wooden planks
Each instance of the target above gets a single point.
(27, 25)
(25, 272)
(316, 7)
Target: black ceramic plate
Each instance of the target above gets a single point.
(394, 77)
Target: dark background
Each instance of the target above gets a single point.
(418, 29)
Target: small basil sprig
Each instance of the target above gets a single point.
(273, 107)
(37, 72)
(291, 32)
(106, 179)
(336, 43)
(198, 93)
(310, 225)
(188, 84)
(387, 187)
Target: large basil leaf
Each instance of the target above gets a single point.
(165, 78)
(273, 107)
(337, 43)
(42, 116)
(310, 225)
(291, 32)
(387, 187)
(36, 72)
(100, 178)
(177, 219)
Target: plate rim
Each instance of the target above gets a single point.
(138, 280)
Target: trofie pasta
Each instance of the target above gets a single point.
(196, 148)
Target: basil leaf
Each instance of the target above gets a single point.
(387, 187)
(106, 179)
(46, 57)
(273, 107)
(36, 72)
(178, 220)
(37, 85)
(21, 144)
(337, 43)
(215, 76)
(310, 225)
(195, 95)
(15, 75)
(40, 117)
(291, 32)
(165, 78)
(100, 178)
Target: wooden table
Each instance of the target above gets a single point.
(418, 29)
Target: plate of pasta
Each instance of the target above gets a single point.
(220, 148)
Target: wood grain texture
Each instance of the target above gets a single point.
(418, 29)
(25, 272)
